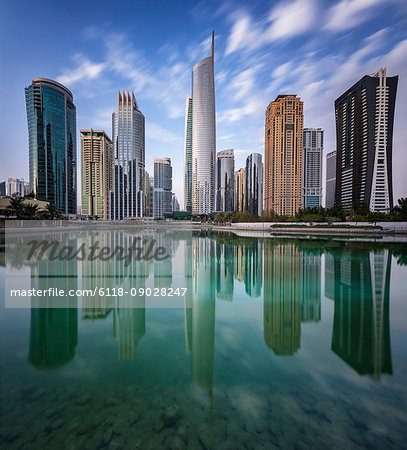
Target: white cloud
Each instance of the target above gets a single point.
(85, 70)
(291, 19)
(286, 20)
(243, 83)
(158, 133)
(347, 14)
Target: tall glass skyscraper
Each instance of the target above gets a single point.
(364, 135)
(188, 155)
(128, 135)
(203, 135)
(254, 184)
(51, 118)
(313, 142)
(162, 187)
(225, 181)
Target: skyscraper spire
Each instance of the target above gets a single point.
(213, 43)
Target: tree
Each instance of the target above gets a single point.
(400, 210)
(30, 211)
(52, 212)
(15, 208)
(30, 195)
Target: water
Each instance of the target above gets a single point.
(289, 343)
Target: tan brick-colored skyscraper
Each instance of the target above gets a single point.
(283, 155)
(97, 173)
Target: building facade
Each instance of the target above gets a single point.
(364, 133)
(3, 189)
(203, 135)
(162, 187)
(225, 181)
(148, 194)
(330, 179)
(284, 155)
(313, 142)
(240, 190)
(51, 118)
(128, 135)
(254, 184)
(97, 170)
(15, 187)
(188, 155)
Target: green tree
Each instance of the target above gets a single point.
(30, 211)
(15, 208)
(52, 212)
(400, 210)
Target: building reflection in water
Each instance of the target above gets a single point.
(311, 287)
(96, 273)
(200, 310)
(253, 267)
(282, 297)
(225, 270)
(54, 328)
(361, 331)
(163, 269)
(129, 314)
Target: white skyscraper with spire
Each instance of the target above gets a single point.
(203, 135)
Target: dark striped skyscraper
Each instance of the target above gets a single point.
(364, 134)
(51, 118)
(254, 184)
(128, 135)
(225, 181)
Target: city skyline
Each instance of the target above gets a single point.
(357, 42)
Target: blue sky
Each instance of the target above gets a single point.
(313, 48)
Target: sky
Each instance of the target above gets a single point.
(315, 49)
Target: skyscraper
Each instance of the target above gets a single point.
(15, 187)
(97, 173)
(51, 118)
(254, 184)
(225, 180)
(148, 194)
(313, 141)
(128, 130)
(330, 179)
(188, 155)
(364, 134)
(240, 189)
(283, 155)
(203, 135)
(162, 187)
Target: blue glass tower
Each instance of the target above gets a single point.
(51, 118)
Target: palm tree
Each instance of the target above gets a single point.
(15, 208)
(52, 212)
(30, 211)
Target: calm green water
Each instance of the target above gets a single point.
(277, 344)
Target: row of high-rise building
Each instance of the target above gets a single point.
(359, 171)
(14, 187)
(114, 182)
